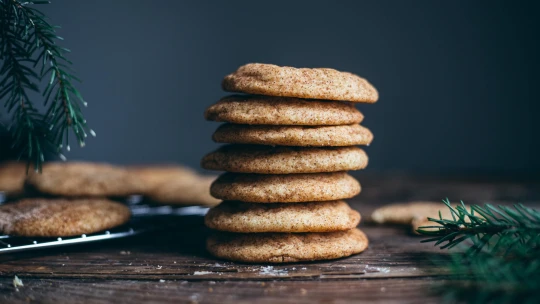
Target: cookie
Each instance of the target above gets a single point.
(12, 177)
(286, 247)
(61, 217)
(284, 160)
(85, 179)
(418, 222)
(404, 213)
(155, 175)
(319, 83)
(266, 110)
(302, 136)
(194, 192)
(174, 184)
(285, 188)
(243, 217)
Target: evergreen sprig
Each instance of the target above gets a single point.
(30, 54)
(492, 278)
(504, 228)
(502, 264)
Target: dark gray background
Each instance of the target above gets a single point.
(458, 79)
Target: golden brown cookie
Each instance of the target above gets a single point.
(233, 216)
(174, 184)
(319, 83)
(12, 177)
(155, 175)
(61, 217)
(85, 179)
(266, 110)
(285, 188)
(284, 160)
(302, 136)
(404, 213)
(286, 247)
(418, 222)
(195, 192)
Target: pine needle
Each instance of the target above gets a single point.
(502, 263)
(31, 56)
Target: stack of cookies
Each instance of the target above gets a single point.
(290, 143)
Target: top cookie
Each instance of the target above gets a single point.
(85, 179)
(320, 83)
(61, 217)
(265, 110)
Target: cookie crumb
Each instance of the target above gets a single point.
(17, 283)
(376, 269)
(269, 270)
(194, 298)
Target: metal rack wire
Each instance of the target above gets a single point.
(10, 244)
(16, 244)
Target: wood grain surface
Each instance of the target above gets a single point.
(170, 264)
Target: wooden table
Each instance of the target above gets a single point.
(172, 266)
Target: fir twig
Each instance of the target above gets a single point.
(502, 227)
(17, 82)
(488, 278)
(503, 263)
(28, 42)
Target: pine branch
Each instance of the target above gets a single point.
(503, 228)
(503, 263)
(18, 80)
(28, 42)
(488, 278)
(64, 112)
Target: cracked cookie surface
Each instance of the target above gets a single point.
(316, 83)
(286, 247)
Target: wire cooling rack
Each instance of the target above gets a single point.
(10, 244)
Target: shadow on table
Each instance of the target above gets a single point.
(184, 235)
